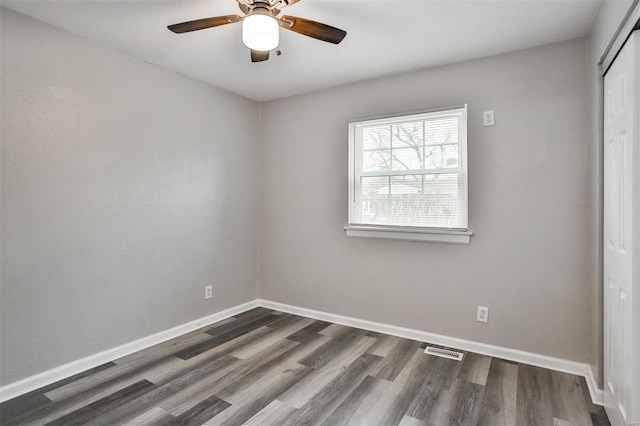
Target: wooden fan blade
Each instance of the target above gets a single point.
(312, 29)
(258, 56)
(201, 24)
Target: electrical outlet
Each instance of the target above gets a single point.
(208, 292)
(483, 314)
(488, 118)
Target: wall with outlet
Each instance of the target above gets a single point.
(130, 202)
(529, 206)
(126, 189)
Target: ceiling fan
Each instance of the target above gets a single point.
(260, 26)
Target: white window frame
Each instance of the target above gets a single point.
(410, 233)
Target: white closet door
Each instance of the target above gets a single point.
(621, 230)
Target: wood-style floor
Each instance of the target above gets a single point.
(264, 367)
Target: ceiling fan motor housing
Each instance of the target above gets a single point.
(260, 8)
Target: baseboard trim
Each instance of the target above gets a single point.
(31, 383)
(515, 355)
(28, 384)
(597, 394)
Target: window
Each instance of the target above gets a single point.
(408, 177)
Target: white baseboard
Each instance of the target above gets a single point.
(67, 370)
(515, 355)
(597, 394)
(51, 376)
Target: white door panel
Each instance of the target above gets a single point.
(621, 245)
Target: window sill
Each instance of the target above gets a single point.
(410, 234)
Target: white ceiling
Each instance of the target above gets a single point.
(383, 37)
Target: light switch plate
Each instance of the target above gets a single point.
(489, 119)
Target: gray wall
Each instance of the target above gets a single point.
(529, 206)
(608, 19)
(125, 190)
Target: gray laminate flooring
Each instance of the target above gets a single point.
(264, 367)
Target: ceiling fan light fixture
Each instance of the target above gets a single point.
(260, 31)
(261, 26)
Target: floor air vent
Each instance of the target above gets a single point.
(445, 353)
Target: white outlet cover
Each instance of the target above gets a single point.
(488, 118)
(483, 314)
